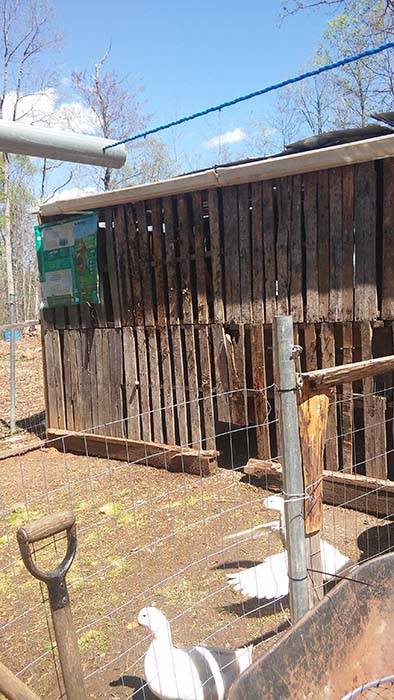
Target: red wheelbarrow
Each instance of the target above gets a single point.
(345, 642)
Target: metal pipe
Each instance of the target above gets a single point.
(12, 363)
(293, 483)
(59, 145)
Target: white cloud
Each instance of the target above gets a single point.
(73, 193)
(227, 137)
(45, 109)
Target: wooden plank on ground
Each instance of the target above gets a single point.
(312, 310)
(131, 384)
(143, 374)
(155, 383)
(257, 268)
(168, 396)
(111, 266)
(122, 264)
(346, 407)
(180, 382)
(231, 254)
(209, 441)
(336, 253)
(184, 226)
(295, 250)
(282, 243)
(369, 495)
(269, 238)
(192, 385)
(323, 243)
(145, 261)
(327, 349)
(171, 457)
(158, 262)
(260, 398)
(365, 295)
(134, 265)
(347, 242)
(374, 410)
(216, 256)
(200, 252)
(172, 279)
(244, 254)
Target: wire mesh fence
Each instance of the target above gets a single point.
(29, 408)
(145, 536)
(199, 549)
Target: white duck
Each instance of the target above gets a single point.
(269, 580)
(195, 673)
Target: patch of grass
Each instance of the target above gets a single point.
(192, 500)
(20, 516)
(182, 591)
(117, 510)
(3, 541)
(93, 640)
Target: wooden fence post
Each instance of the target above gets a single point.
(293, 485)
(313, 418)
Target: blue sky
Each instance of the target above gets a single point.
(190, 55)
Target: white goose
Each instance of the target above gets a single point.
(195, 673)
(269, 580)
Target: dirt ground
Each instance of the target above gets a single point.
(145, 536)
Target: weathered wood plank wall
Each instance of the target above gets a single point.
(189, 287)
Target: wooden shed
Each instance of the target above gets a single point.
(192, 271)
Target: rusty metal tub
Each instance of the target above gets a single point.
(345, 641)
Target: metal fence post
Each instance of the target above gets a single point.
(293, 484)
(12, 363)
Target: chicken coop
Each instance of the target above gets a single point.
(192, 271)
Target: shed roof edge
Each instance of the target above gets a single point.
(221, 176)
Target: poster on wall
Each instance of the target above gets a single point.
(67, 261)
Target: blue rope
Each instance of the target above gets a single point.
(263, 91)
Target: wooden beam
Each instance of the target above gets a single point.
(374, 496)
(154, 454)
(331, 376)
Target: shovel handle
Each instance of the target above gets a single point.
(47, 525)
(40, 530)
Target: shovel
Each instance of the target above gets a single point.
(66, 638)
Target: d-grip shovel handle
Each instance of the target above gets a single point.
(40, 530)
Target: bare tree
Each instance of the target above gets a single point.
(116, 108)
(26, 31)
(291, 7)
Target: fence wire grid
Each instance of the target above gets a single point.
(150, 536)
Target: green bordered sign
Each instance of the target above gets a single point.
(67, 260)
